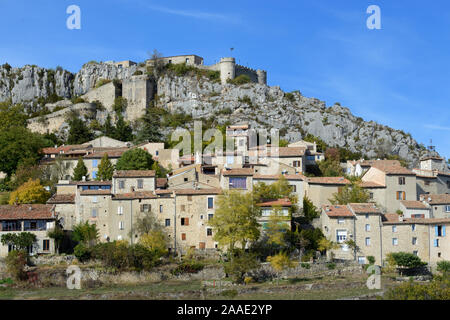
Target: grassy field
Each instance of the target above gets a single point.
(298, 289)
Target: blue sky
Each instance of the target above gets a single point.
(398, 76)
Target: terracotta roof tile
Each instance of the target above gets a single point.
(283, 152)
(276, 177)
(238, 172)
(91, 183)
(278, 202)
(112, 153)
(61, 198)
(95, 192)
(337, 211)
(328, 180)
(26, 212)
(371, 184)
(134, 173)
(134, 195)
(409, 204)
(161, 182)
(197, 191)
(436, 198)
(390, 168)
(364, 208)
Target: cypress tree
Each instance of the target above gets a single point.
(80, 170)
(105, 169)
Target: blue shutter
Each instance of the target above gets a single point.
(435, 242)
(443, 231)
(94, 174)
(436, 231)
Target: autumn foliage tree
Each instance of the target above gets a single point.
(30, 192)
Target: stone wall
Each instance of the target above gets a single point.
(138, 90)
(105, 94)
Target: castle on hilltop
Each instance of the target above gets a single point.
(226, 66)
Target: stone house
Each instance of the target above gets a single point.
(37, 219)
(391, 184)
(297, 182)
(438, 204)
(321, 189)
(237, 179)
(414, 209)
(272, 207)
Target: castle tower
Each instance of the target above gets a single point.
(227, 69)
(262, 76)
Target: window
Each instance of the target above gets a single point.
(297, 164)
(183, 208)
(46, 245)
(394, 241)
(187, 60)
(140, 184)
(209, 232)
(238, 183)
(439, 231)
(367, 227)
(185, 179)
(11, 226)
(415, 252)
(367, 241)
(401, 180)
(120, 210)
(414, 240)
(94, 213)
(160, 208)
(121, 184)
(401, 195)
(94, 174)
(230, 159)
(183, 236)
(341, 236)
(184, 221)
(145, 207)
(361, 260)
(394, 228)
(189, 198)
(121, 225)
(210, 216)
(436, 242)
(367, 216)
(448, 184)
(293, 188)
(341, 220)
(371, 195)
(447, 208)
(94, 200)
(210, 203)
(413, 227)
(94, 163)
(167, 222)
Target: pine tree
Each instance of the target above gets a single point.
(150, 125)
(105, 169)
(123, 131)
(80, 170)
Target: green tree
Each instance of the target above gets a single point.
(235, 219)
(16, 145)
(146, 223)
(57, 234)
(120, 104)
(405, 260)
(310, 211)
(149, 128)
(240, 263)
(277, 227)
(123, 131)
(19, 241)
(105, 169)
(30, 192)
(353, 193)
(135, 159)
(108, 129)
(159, 170)
(79, 132)
(86, 234)
(80, 171)
(444, 266)
(331, 166)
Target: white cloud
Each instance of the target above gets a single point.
(436, 127)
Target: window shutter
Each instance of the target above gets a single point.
(435, 242)
(443, 231)
(436, 231)
(186, 221)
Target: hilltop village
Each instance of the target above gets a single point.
(404, 209)
(408, 210)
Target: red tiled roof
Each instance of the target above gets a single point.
(134, 173)
(409, 204)
(337, 211)
(92, 183)
(238, 172)
(161, 182)
(371, 184)
(276, 177)
(393, 218)
(364, 208)
(279, 202)
(283, 152)
(26, 212)
(112, 153)
(436, 198)
(95, 192)
(197, 191)
(390, 218)
(134, 195)
(389, 168)
(328, 180)
(61, 198)
(62, 149)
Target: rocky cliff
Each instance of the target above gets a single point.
(261, 105)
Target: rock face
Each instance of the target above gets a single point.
(262, 106)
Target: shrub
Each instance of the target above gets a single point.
(102, 82)
(239, 80)
(231, 293)
(305, 265)
(137, 73)
(405, 260)
(438, 289)
(331, 266)
(188, 267)
(76, 100)
(239, 265)
(15, 264)
(371, 259)
(82, 252)
(443, 266)
(248, 280)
